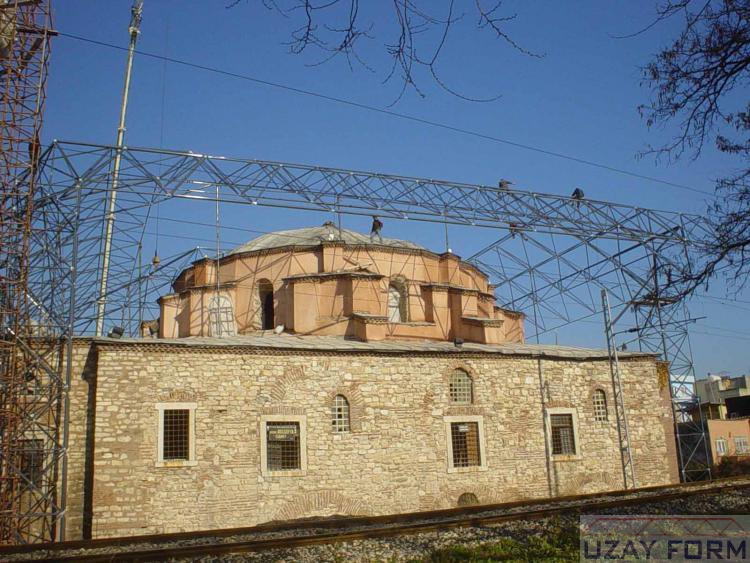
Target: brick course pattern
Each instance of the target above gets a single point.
(395, 459)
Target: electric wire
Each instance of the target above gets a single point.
(392, 113)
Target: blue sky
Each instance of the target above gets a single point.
(579, 99)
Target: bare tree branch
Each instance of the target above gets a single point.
(698, 82)
(422, 31)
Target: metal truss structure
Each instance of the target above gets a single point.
(31, 388)
(553, 257)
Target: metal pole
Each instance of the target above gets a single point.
(445, 224)
(218, 256)
(543, 395)
(134, 29)
(623, 432)
(69, 369)
(673, 403)
(338, 214)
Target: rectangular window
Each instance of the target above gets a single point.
(563, 438)
(740, 445)
(465, 444)
(721, 446)
(32, 462)
(283, 446)
(176, 444)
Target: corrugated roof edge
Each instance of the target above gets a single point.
(342, 345)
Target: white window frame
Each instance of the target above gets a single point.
(221, 316)
(576, 441)
(394, 313)
(448, 420)
(745, 447)
(471, 387)
(721, 447)
(341, 425)
(191, 461)
(302, 421)
(602, 416)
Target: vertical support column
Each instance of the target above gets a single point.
(543, 393)
(628, 469)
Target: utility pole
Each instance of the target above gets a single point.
(136, 13)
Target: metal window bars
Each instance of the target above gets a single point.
(461, 388)
(600, 405)
(283, 446)
(465, 444)
(340, 414)
(176, 434)
(563, 439)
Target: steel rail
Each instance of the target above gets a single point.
(339, 529)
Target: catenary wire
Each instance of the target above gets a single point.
(391, 113)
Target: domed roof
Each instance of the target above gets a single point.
(313, 236)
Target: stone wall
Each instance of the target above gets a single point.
(395, 458)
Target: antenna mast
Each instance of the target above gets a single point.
(135, 29)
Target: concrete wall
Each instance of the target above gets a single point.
(393, 460)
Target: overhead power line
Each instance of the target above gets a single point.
(392, 113)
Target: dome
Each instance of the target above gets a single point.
(313, 236)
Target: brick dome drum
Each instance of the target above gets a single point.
(328, 281)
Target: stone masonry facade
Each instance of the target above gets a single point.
(393, 459)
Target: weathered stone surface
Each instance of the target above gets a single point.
(393, 460)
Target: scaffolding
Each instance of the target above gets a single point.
(31, 340)
(552, 257)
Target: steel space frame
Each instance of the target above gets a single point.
(31, 377)
(552, 257)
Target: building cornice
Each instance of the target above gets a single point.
(376, 348)
(324, 276)
(483, 321)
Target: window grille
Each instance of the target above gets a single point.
(465, 443)
(176, 434)
(32, 462)
(283, 446)
(221, 317)
(600, 405)
(340, 414)
(740, 445)
(721, 446)
(461, 388)
(563, 441)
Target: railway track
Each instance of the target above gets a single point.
(288, 535)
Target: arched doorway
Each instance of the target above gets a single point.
(265, 295)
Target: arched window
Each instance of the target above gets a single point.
(600, 405)
(221, 317)
(461, 388)
(398, 309)
(265, 296)
(340, 414)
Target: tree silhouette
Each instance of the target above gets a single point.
(700, 82)
(414, 36)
